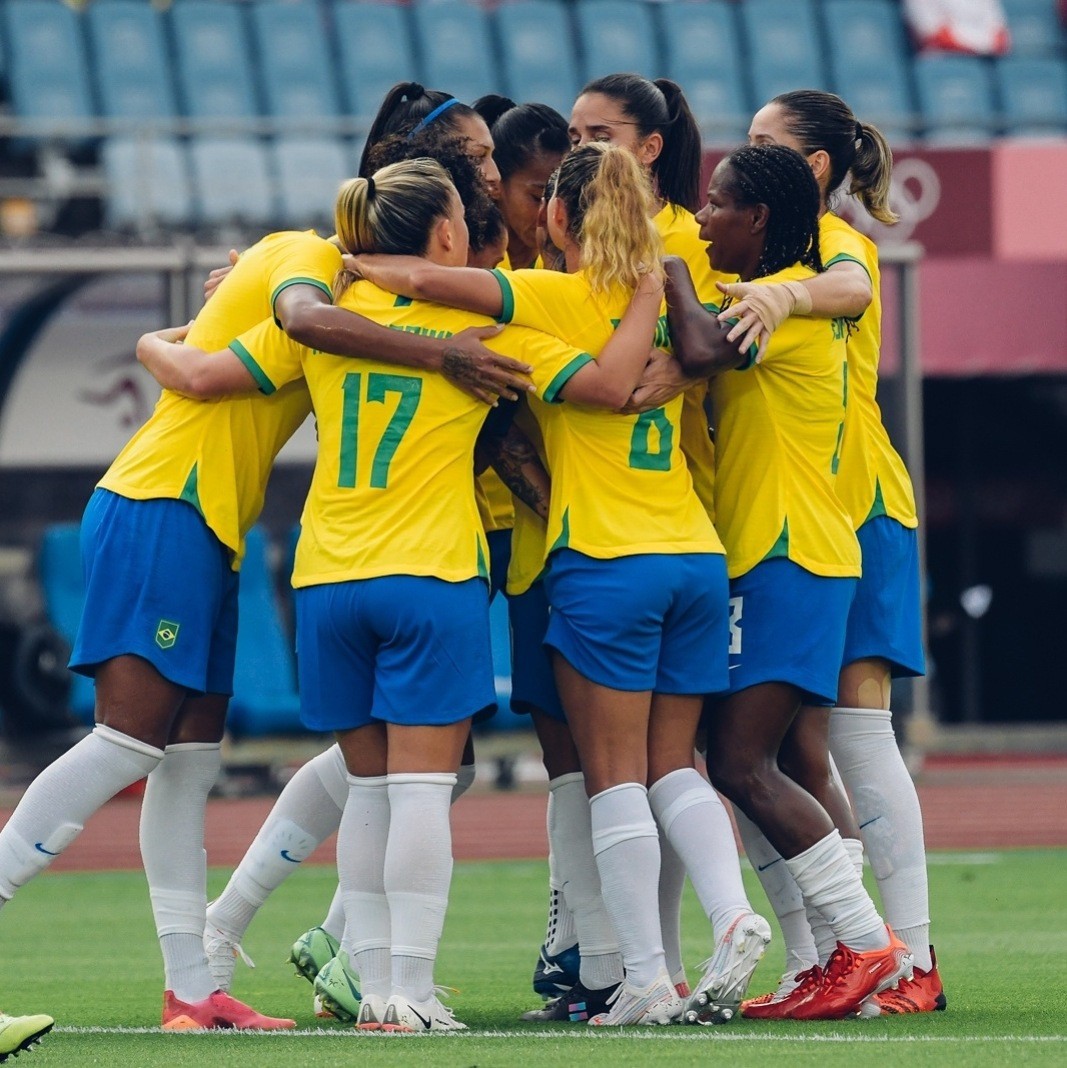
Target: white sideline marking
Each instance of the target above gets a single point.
(653, 1034)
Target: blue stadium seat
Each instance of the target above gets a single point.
(457, 51)
(375, 51)
(869, 53)
(784, 49)
(232, 180)
(49, 74)
(309, 171)
(536, 49)
(1033, 95)
(59, 567)
(214, 66)
(956, 98)
(296, 68)
(131, 65)
(617, 35)
(703, 53)
(265, 699)
(147, 183)
(1035, 27)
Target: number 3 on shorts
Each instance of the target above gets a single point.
(737, 605)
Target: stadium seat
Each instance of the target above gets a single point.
(309, 171)
(130, 61)
(457, 51)
(265, 700)
(59, 568)
(703, 53)
(956, 98)
(48, 70)
(147, 183)
(1035, 28)
(868, 53)
(536, 49)
(784, 49)
(213, 61)
(375, 51)
(1033, 95)
(232, 180)
(617, 35)
(296, 68)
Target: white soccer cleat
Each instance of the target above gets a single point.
(414, 1017)
(657, 1003)
(371, 1013)
(718, 996)
(222, 953)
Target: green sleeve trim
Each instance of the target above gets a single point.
(563, 376)
(753, 352)
(298, 282)
(507, 297)
(844, 257)
(402, 302)
(265, 384)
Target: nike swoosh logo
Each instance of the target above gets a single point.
(425, 1020)
(764, 867)
(733, 667)
(39, 846)
(285, 856)
(869, 822)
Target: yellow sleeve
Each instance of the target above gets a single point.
(309, 260)
(841, 243)
(272, 357)
(526, 300)
(552, 360)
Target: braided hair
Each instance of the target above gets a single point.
(782, 180)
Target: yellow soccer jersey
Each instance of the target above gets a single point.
(218, 455)
(872, 479)
(530, 534)
(778, 434)
(495, 507)
(506, 265)
(620, 484)
(681, 237)
(392, 492)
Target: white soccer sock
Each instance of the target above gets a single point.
(306, 813)
(464, 781)
(693, 816)
(671, 885)
(55, 806)
(827, 878)
(175, 864)
(783, 894)
(334, 923)
(418, 872)
(560, 931)
(626, 846)
(825, 939)
(887, 808)
(571, 840)
(361, 845)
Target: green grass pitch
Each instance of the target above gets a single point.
(82, 948)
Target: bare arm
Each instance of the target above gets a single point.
(515, 460)
(190, 371)
(469, 288)
(841, 291)
(700, 340)
(661, 381)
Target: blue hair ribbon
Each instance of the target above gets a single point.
(437, 111)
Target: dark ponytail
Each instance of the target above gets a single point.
(521, 131)
(661, 106)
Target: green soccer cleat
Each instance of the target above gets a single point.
(312, 951)
(19, 1033)
(337, 988)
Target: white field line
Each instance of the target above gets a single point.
(653, 1034)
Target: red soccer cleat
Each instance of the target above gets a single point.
(218, 1012)
(849, 978)
(922, 993)
(779, 1004)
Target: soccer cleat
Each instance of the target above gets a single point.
(222, 953)
(371, 1013)
(576, 1006)
(410, 1017)
(849, 978)
(779, 1004)
(19, 1033)
(657, 1003)
(922, 993)
(312, 951)
(728, 971)
(556, 973)
(320, 1010)
(218, 1012)
(338, 989)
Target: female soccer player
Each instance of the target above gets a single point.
(632, 719)
(791, 549)
(884, 636)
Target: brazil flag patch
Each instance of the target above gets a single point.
(166, 634)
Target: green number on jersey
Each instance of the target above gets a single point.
(640, 455)
(378, 385)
